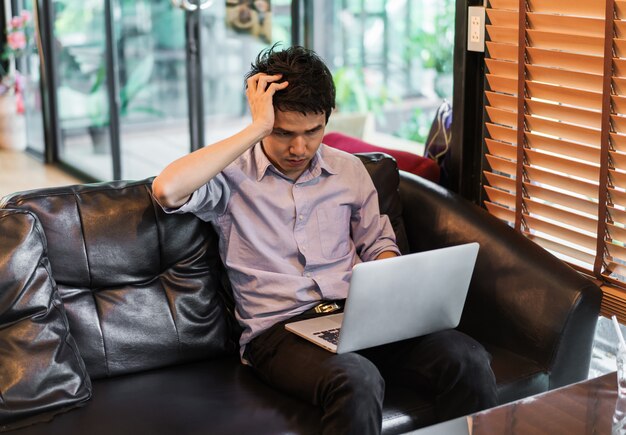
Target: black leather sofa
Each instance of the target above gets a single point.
(144, 340)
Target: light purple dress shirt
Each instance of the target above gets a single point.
(289, 245)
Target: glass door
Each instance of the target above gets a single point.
(233, 32)
(139, 83)
(120, 88)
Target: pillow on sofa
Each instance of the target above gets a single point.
(409, 162)
(141, 288)
(41, 371)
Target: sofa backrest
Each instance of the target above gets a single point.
(386, 178)
(140, 287)
(144, 289)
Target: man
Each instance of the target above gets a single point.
(293, 216)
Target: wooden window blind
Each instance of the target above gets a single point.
(555, 131)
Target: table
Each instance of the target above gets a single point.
(586, 407)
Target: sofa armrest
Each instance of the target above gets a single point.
(521, 297)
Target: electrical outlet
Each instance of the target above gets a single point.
(476, 28)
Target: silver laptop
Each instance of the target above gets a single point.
(395, 299)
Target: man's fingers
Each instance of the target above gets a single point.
(259, 82)
(277, 87)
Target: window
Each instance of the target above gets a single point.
(555, 131)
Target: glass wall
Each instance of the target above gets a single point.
(230, 44)
(153, 105)
(128, 102)
(81, 86)
(392, 61)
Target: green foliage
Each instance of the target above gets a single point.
(138, 82)
(435, 47)
(352, 95)
(417, 127)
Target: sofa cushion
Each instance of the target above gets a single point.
(220, 396)
(140, 287)
(409, 162)
(386, 179)
(41, 371)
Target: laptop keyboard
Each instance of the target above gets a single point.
(330, 335)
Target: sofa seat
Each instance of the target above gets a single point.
(218, 396)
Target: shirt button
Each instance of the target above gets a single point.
(300, 217)
(308, 275)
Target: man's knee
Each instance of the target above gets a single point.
(355, 374)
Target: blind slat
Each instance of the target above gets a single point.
(500, 197)
(616, 233)
(616, 251)
(619, 67)
(571, 132)
(618, 141)
(571, 25)
(562, 182)
(500, 212)
(566, 148)
(561, 77)
(619, 103)
(503, 68)
(588, 8)
(559, 164)
(561, 232)
(570, 43)
(617, 178)
(503, 18)
(563, 95)
(563, 199)
(504, 134)
(501, 149)
(561, 59)
(618, 159)
(502, 117)
(502, 165)
(573, 115)
(500, 181)
(502, 84)
(562, 216)
(618, 123)
(618, 197)
(502, 51)
(506, 35)
(512, 5)
(502, 101)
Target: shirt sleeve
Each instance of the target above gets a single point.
(372, 232)
(208, 202)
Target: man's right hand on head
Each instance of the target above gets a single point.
(260, 91)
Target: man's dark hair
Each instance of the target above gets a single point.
(311, 88)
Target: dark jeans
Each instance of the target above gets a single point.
(350, 387)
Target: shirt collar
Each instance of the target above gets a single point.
(318, 164)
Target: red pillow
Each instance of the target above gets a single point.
(406, 161)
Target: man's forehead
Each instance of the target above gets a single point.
(294, 121)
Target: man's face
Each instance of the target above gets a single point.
(294, 141)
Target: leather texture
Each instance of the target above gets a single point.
(41, 371)
(386, 178)
(138, 281)
(140, 287)
(216, 397)
(521, 298)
